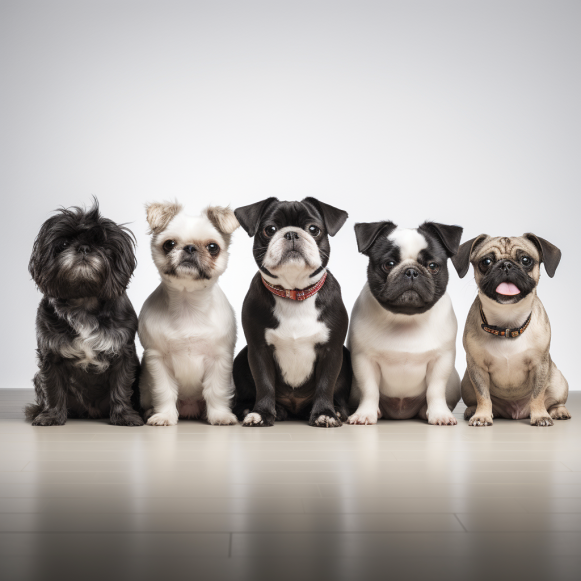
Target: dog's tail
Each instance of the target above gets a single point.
(32, 410)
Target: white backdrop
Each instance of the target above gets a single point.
(459, 112)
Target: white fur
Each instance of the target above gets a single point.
(188, 331)
(294, 339)
(403, 356)
(410, 242)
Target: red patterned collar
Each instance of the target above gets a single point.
(502, 332)
(296, 294)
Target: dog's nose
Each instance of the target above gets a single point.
(84, 249)
(506, 266)
(190, 249)
(412, 273)
(291, 236)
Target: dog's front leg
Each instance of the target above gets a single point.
(539, 414)
(263, 370)
(218, 390)
(50, 380)
(367, 375)
(164, 391)
(439, 371)
(323, 414)
(481, 381)
(121, 412)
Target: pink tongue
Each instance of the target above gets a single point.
(507, 288)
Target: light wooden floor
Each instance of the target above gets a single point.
(402, 500)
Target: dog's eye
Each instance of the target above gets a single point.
(433, 267)
(270, 231)
(64, 244)
(314, 231)
(526, 260)
(213, 248)
(169, 245)
(486, 262)
(387, 266)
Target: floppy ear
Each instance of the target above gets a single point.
(249, 216)
(461, 260)
(333, 217)
(449, 236)
(222, 218)
(550, 254)
(160, 214)
(367, 233)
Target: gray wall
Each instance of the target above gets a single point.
(459, 112)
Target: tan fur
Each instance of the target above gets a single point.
(512, 378)
(222, 218)
(160, 214)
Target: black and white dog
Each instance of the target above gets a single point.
(85, 324)
(293, 317)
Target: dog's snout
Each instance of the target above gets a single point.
(291, 235)
(84, 248)
(412, 273)
(506, 266)
(190, 248)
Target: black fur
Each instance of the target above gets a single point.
(83, 263)
(260, 386)
(392, 287)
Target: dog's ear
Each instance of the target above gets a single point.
(367, 233)
(449, 236)
(160, 214)
(461, 260)
(249, 216)
(550, 254)
(222, 218)
(332, 217)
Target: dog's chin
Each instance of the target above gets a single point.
(410, 302)
(188, 271)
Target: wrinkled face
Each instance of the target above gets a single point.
(79, 254)
(190, 249)
(506, 269)
(291, 237)
(407, 271)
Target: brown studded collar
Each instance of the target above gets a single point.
(500, 332)
(296, 294)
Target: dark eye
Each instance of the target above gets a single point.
(314, 231)
(387, 266)
(486, 262)
(64, 244)
(433, 267)
(169, 245)
(270, 230)
(526, 260)
(213, 248)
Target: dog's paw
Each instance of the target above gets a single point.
(162, 419)
(222, 419)
(48, 419)
(363, 418)
(133, 419)
(480, 420)
(560, 413)
(258, 420)
(324, 421)
(541, 421)
(443, 418)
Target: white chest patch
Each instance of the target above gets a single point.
(87, 346)
(409, 241)
(295, 338)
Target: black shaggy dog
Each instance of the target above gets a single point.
(85, 324)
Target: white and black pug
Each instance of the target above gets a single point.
(85, 324)
(403, 329)
(293, 317)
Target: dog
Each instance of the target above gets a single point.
(293, 317)
(510, 373)
(85, 323)
(187, 326)
(402, 336)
